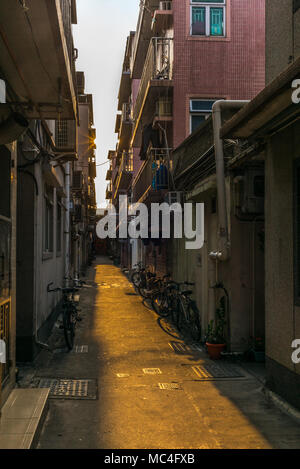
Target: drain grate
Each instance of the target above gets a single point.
(152, 371)
(169, 386)
(69, 388)
(81, 349)
(207, 371)
(184, 349)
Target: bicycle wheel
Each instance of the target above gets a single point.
(193, 321)
(69, 328)
(136, 279)
(160, 305)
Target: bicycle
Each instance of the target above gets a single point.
(69, 312)
(135, 275)
(162, 299)
(185, 312)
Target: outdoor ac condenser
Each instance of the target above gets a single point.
(175, 197)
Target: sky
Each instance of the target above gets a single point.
(100, 37)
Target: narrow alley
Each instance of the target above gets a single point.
(131, 355)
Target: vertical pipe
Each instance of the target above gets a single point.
(217, 109)
(67, 223)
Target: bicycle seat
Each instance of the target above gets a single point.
(187, 292)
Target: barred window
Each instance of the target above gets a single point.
(61, 133)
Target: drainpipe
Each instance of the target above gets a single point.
(224, 250)
(67, 223)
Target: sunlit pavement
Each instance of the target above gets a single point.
(132, 409)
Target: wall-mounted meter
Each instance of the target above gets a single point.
(2, 92)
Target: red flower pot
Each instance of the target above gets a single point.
(214, 350)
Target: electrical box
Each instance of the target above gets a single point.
(253, 193)
(2, 92)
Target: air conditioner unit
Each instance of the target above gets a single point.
(77, 180)
(65, 135)
(175, 197)
(253, 196)
(80, 80)
(165, 5)
(164, 107)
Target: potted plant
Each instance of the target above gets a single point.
(257, 350)
(215, 342)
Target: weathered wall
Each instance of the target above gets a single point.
(282, 316)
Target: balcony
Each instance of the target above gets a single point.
(156, 80)
(152, 180)
(45, 82)
(125, 173)
(92, 170)
(163, 18)
(142, 37)
(109, 174)
(125, 88)
(109, 192)
(125, 128)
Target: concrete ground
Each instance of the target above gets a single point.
(132, 412)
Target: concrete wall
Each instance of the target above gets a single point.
(11, 381)
(36, 268)
(282, 36)
(242, 275)
(282, 316)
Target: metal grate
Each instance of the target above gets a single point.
(81, 349)
(61, 133)
(4, 334)
(169, 386)
(69, 388)
(184, 349)
(208, 370)
(152, 371)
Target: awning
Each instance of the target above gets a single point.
(273, 102)
(35, 58)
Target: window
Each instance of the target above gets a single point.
(200, 110)
(208, 18)
(48, 220)
(58, 226)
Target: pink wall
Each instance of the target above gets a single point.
(231, 68)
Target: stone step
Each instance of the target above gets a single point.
(22, 418)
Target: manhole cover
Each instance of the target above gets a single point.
(69, 388)
(152, 371)
(217, 371)
(184, 349)
(169, 386)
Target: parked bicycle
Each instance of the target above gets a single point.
(185, 312)
(69, 312)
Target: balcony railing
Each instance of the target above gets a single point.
(153, 175)
(108, 192)
(126, 113)
(158, 66)
(125, 172)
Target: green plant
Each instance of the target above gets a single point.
(257, 344)
(216, 328)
